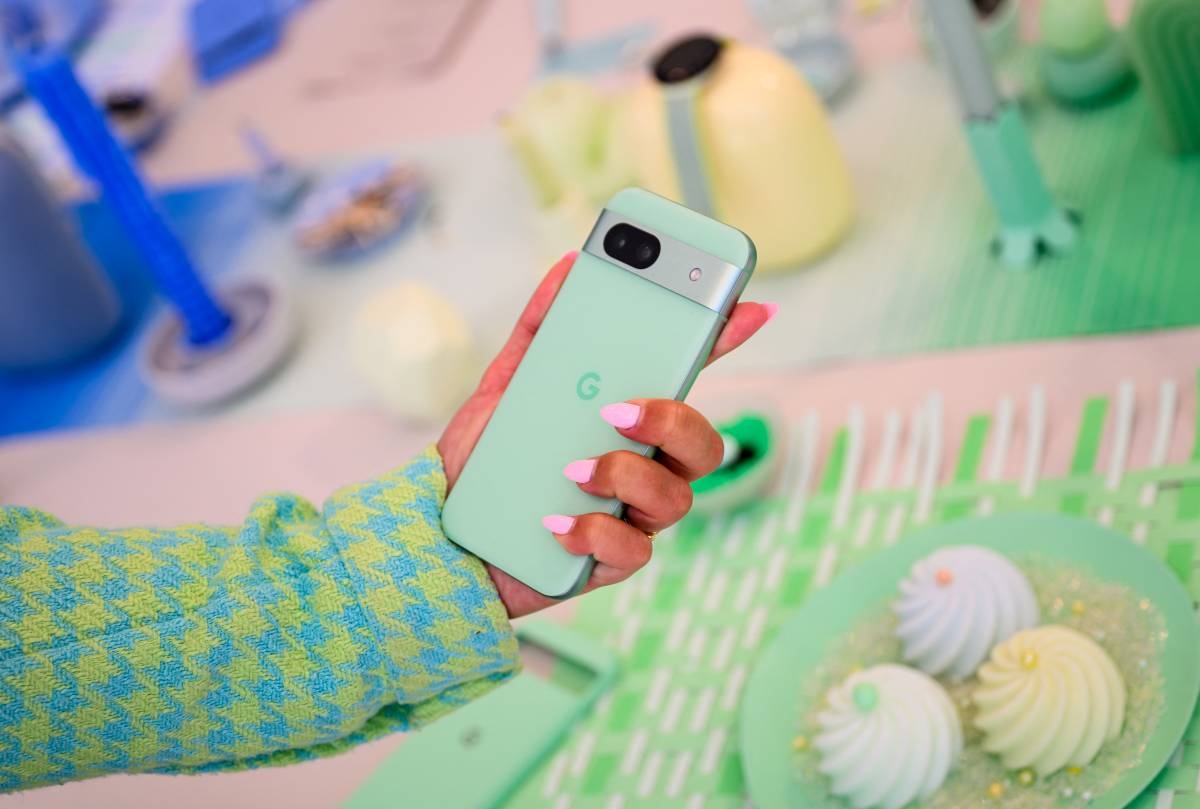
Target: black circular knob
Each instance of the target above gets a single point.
(686, 59)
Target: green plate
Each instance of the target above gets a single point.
(771, 709)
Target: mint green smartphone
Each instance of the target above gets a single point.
(636, 318)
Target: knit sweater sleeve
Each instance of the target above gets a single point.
(295, 635)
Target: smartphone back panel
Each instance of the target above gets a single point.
(610, 335)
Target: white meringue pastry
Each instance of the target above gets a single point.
(1049, 698)
(956, 604)
(889, 735)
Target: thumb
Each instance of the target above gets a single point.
(498, 374)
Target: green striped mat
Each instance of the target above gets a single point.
(690, 627)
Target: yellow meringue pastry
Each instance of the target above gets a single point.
(1049, 698)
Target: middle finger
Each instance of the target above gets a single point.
(655, 497)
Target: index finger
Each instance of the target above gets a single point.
(744, 321)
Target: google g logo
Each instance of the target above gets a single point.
(588, 386)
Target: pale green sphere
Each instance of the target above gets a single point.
(1074, 27)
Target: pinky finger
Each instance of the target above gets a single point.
(618, 548)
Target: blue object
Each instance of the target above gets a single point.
(280, 185)
(56, 304)
(65, 24)
(50, 79)
(227, 35)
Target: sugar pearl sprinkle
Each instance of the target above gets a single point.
(866, 697)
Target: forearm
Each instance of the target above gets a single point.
(294, 635)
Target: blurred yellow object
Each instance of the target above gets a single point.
(772, 166)
(565, 134)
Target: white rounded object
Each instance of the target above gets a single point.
(956, 604)
(414, 350)
(1049, 698)
(889, 736)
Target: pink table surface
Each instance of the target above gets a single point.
(212, 471)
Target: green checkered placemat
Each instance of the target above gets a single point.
(690, 627)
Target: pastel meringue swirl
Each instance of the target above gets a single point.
(889, 735)
(1049, 698)
(956, 604)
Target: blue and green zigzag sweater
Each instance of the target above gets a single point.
(296, 635)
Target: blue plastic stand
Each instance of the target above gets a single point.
(50, 79)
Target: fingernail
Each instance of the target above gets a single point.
(570, 255)
(772, 310)
(580, 471)
(621, 415)
(558, 524)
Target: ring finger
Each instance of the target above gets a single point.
(655, 497)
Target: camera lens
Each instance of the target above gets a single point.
(632, 246)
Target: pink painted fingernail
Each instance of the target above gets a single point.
(580, 471)
(570, 255)
(558, 524)
(772, 310)
(622, 415)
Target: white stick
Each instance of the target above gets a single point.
(855, 428)
(658, 687)
(733, 540)
(766, 534)
(808, 452)
(733, 688)
(1122, 431)
(582, 753)
(650, 774)
(908, 473)
(1037, 440)
(679, 628)
(825, 565)
(754, 629)
(557, 769)
(716, 591)
(712, 750)
(679, 773)
(703, 707)
(1001, 439)
(776, 567)
(1168, 396)
(884, 467)
(633, 756)
(674, 706)
(866, 524)
(746, 591)
(932, 460)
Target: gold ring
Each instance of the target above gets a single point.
(651, 535)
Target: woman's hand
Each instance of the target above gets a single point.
(656, 491)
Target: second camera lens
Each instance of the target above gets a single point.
(632, 246)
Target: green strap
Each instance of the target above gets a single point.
(971, 454)
(832, 475)
(1091, 429)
